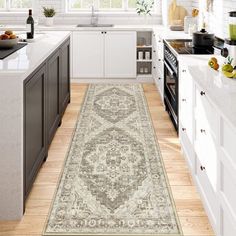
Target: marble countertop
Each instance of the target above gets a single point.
(220, 90)
(23, 62)
(162, 31)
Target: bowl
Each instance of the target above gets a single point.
(8, 43)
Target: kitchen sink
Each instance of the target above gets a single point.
(96, 25)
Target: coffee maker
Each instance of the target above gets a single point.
(229, 49)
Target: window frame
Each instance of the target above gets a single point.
(8, 7)
(125, 9)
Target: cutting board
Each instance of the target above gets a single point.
(176, 14)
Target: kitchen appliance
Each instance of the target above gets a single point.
(203, 39)
(171, 71)
(232, 25)
(229, 49)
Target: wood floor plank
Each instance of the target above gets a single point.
(192, 216)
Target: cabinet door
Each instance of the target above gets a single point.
(34, 126)
(120, 54)
(65, 76)
(53, 109)
(88, 54)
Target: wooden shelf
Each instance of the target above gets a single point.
(150, 46)
(144, 60)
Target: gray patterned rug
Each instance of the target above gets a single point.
(113, 182)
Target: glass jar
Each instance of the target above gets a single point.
(232, 25)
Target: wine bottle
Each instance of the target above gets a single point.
(30, 26)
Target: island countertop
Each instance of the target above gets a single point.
(24, 61)
(15, 70)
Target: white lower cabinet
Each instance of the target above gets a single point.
(104, 54)
(208, 143)
(158, 65)
(120, 54)
(88, 55)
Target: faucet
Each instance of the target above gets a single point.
(94, 17)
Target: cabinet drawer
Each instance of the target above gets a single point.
(206, 150)
(207, 192)
(206, 111)
(228, 138)
(228, 184)
(186, 144)
(228, 224)
(186, 117)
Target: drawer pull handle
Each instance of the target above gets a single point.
(203, 130)
(202, 168)
(202, 93)
(183, 129)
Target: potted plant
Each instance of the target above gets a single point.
(144, 7)
(49, 13)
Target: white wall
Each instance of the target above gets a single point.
(217, 18)
(73, 18)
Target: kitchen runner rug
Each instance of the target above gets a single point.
(113, 182)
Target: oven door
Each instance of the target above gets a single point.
(171, 92)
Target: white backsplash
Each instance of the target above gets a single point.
(217, 18)
(73, 18)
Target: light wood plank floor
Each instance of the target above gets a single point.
(189, 207)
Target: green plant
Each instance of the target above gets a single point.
(144, 7)
(49, 12)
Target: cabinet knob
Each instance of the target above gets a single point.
(184, 71)
(159, 78)
(183, 129)
(154, 51)
(202, 130)
(159, 41)
(184, 100)
(202, 93)
(202, 168)
(154, 67)
(105, 32)
(102, 32)
(159, 59)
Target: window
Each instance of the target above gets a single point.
(15, 5)
(102, 5)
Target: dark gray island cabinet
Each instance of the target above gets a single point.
(46, 95)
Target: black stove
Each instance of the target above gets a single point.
(173, 48)
(185, 46)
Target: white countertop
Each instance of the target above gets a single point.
(220, 90)
(24, 61)
(162, 31)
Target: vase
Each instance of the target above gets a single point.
(49, 21)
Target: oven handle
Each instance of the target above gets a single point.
(169, 69)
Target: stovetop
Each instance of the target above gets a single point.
(185, 46)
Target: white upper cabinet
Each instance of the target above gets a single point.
(104, 54)
(120, 54)
(88, 60)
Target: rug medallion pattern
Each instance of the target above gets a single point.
(113, 182)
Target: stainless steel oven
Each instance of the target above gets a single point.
(171, 84)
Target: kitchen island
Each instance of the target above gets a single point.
(34, 93)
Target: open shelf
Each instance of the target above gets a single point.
(144, 60)
(144, 53)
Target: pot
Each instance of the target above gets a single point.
(203, 39)
(49, 21)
